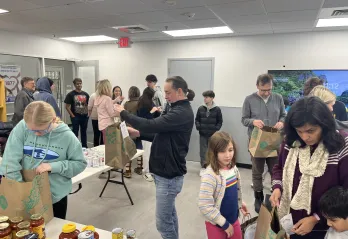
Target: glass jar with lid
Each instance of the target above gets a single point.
(5, 231)
(69, 231)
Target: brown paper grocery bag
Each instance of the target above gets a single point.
(264, 142)
(268, 225)
(118, 151)
(33, 196)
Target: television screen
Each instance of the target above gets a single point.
(289, 83)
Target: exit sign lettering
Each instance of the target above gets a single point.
(124, 42)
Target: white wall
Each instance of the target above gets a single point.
(238, 60)
(30, 45)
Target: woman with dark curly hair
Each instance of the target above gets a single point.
(313, 159)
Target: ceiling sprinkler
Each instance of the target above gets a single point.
(170, 2)
(190, 15)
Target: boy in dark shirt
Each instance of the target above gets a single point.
(76, 103)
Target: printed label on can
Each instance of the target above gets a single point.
(40, 230)
(117, 233)
(86, 235)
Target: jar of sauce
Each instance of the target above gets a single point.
(22, 234)
(37, 224)
(24, 226)
(69, 231)
(91, 228)
(5, 231)
(14, 225)
(4, 219)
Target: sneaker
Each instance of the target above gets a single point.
(201, 172)
(127, 174)
(148, 177)
(138, 171)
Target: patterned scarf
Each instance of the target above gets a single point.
(311, 168)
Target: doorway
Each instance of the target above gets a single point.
(199, 75)
(56, 73)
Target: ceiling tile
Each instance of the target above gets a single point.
(169, 25)
(253, 28)
(51, 3)
(306, 15)
(19, 18)
(293, 25)
(246, 20)
(293, 30)
(200, 13)
(291, 5)
(238, 9)
(72, 11)
(203, 23)
(217, 2)
(17, 5)
(162, 5)
(113, 7)
(335, 3)
(146, 18)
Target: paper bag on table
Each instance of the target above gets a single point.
(33, 196)
(268, 225)
(118, 150)
(264, 142)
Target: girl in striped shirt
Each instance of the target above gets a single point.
(220, 196)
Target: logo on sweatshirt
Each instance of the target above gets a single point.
(39, 153)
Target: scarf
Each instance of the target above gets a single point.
(311, 167)
(29, 93)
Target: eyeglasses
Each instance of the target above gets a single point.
(268, 90)
(43, 131)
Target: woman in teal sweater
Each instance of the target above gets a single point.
(41, 141)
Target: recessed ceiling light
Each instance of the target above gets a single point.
(99, 38)
(333, 22)
(199, 31)
(3, 11)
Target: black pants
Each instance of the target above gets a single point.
(203, 146)
(80, 123)
(60, 208)
(311, 235)
(98, 137)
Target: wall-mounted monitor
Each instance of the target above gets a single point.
(289, 83)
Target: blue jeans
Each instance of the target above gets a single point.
(166, 216)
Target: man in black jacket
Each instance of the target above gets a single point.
(168, 152)
(208, 121)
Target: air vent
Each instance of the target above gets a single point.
(132, 29)
(342, 12)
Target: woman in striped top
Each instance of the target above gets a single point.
(220, 196)
(313, 159)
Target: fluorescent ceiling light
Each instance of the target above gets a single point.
(98, 38)
(3, 11)
(199, 31)
(333, 22)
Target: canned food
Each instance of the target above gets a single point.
(32, 236)
(117, 233)
(86, 235)
(131, 234)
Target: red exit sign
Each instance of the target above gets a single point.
(124, 42)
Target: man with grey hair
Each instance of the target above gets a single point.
(260, 109)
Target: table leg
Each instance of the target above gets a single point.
(125, 187)
(107, 181)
